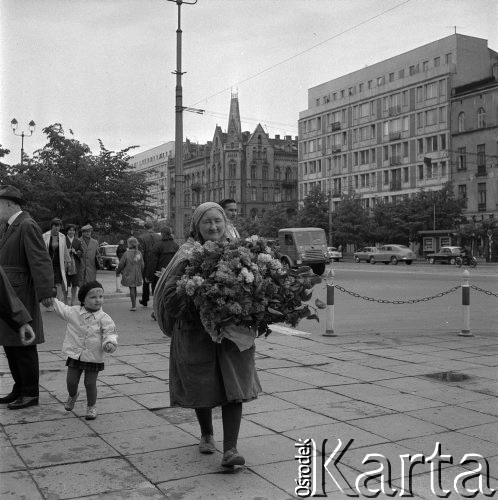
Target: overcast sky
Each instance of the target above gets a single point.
(102, 68)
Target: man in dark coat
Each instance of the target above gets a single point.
(162, 253)
(14, 317)
(146, 243)
(26, 262)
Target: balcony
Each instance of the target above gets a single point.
(394, 110)
(336, 149)
(335, 126)
(336, 194)
(196, 186)
(394, 136)
(395, 185)
(481, 171)
(481, 207)
(395, 160)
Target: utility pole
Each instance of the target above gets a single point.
(179, 177)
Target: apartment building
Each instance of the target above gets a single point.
(474, 146)
(384, 131)
(154, 163)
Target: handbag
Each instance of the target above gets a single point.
(71, 267)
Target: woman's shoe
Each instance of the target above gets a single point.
(206, 444)
(133, 309)
(232, 458)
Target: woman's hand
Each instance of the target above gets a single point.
(26, 334)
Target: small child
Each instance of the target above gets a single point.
(131, 266)
(90, 333)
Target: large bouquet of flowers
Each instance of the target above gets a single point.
(243, 283)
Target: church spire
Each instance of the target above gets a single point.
(234, 127)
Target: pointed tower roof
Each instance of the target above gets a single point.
(234, 127)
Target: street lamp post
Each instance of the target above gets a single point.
(14, 124)
(179, 177)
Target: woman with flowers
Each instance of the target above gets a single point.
(204, 373)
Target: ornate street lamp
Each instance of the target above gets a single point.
(14, 125)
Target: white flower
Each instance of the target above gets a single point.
(248, 275)
(253, 238)
(264, 257)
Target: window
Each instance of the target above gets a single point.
(431, 90)
(431, 143)
(265, 194)
(442, 87)
(265, 172)
(462, 159)
(361, 85)
(461, 122)
(391, 77)
(420, 94)
(380, 81)
(481, 155)
(481, 197)
(481, 118)
(431, 117)
(406, 122)
(405, 97)
(369, 84)
(253, 172)
(420, 172)
(342, 93)
(442, 114)
(401, 73)
(253, 194)
(448, 58)
(442, 142)
(420, 120)
(414, 69)
(443, 169)
(386, 176)
(425, 66)
(406, 177)
(437, 62)
(462, 191)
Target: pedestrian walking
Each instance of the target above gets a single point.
(55, 242)
(146, 243)
(14, 317)
(121, 249)
(89, 260)
(229, 205)
(131, 267)
(73, 245)
(204, 374)
(26, 262)
(90, 333)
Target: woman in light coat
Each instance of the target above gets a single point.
(131, 266)
(55, 242)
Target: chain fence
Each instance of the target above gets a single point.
(387, 301)
(487, 292)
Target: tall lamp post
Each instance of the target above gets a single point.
(179, 177)
(14, 124)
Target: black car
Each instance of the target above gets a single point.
(446, 255)
(107, 257)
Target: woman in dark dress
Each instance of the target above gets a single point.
(204, 374)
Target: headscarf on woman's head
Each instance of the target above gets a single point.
(181, 255)
(198, 214)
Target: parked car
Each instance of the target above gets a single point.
(393, 254)
(334, 254)
(107, 256)
(446, 255)
(366, 254)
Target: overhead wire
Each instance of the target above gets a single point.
(290, 58)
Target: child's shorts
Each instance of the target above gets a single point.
(84, 365)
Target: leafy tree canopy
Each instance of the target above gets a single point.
(64, 179)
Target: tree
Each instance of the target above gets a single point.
(350, 222)
(314, 212)
(65, 179)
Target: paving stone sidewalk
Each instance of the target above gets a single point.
(390, 394)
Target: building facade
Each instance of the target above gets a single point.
(474, 146)
(385, 131)
(252, 168)
(154, 163)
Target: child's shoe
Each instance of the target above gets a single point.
(71, 400)
(91, 413)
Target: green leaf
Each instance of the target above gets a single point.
(273, 311)
(320, 304)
